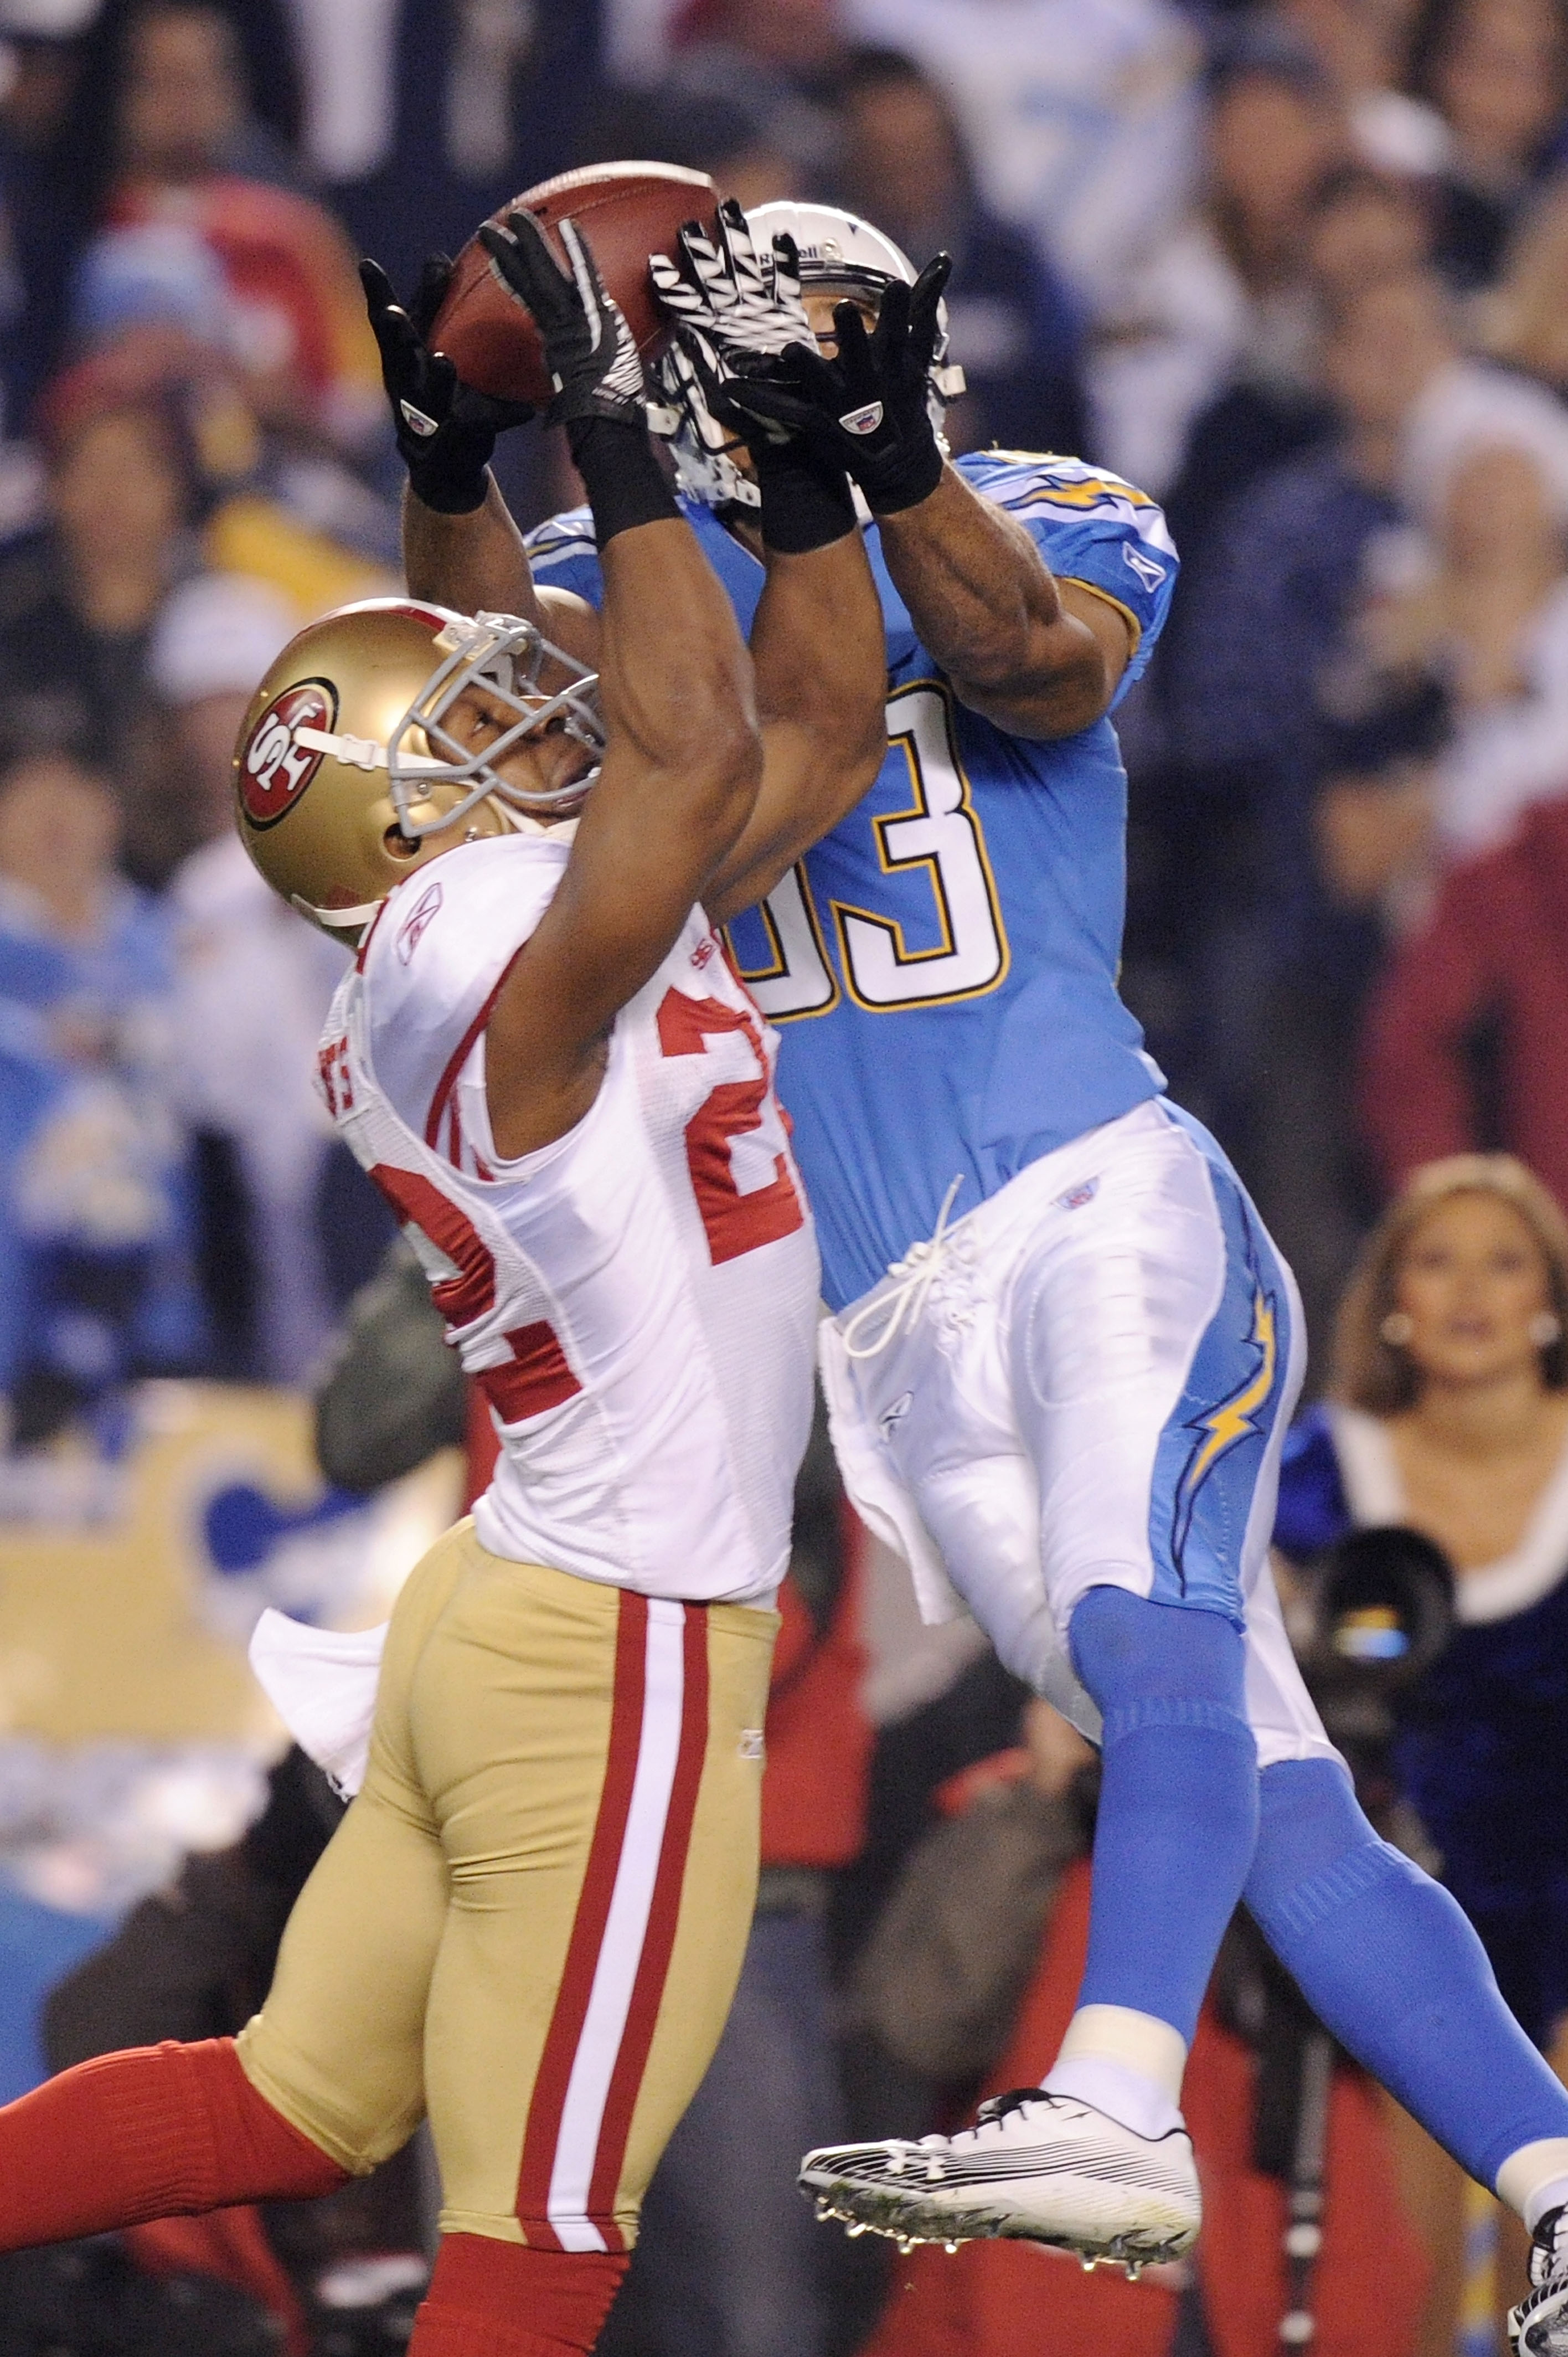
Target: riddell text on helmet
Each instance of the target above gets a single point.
(276, 770)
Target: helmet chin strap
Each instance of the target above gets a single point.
(360, 752)
(337, 921)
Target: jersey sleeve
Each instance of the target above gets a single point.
(563, 554)
(1092, 527)
(437, 955)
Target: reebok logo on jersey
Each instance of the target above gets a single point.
(751, 1743)
(1150, 573)
(1076, 1197)
(415, 924)
(862, 421)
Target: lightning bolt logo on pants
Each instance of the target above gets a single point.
(1235, 1419)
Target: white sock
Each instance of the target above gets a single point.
(1125, 2064)
(1534, 2179)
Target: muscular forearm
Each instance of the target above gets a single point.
(817, 651)
(993, 616)
(820, 665)
(476, 564)
(673, 672)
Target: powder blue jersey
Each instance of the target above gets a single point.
(942, 967)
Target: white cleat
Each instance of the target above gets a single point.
(1038, 2168)
(1538, 2327)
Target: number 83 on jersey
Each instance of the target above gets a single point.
(935, 930)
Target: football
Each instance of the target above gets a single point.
(626, 211)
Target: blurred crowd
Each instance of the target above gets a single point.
(1301, 273)
(1298, 273)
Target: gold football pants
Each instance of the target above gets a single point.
(531, 1919)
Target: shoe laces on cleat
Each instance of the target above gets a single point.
(1017, 2099)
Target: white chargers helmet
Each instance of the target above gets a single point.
(838, 254)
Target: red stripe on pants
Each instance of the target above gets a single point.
(549, 2102)
(659, 1939)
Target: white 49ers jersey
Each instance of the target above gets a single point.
(638, 1300)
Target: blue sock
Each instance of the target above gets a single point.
(1178, 1803)
(1389, 1962)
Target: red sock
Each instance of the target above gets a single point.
(158, 2132)
(502, 2299)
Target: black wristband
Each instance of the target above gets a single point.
(624, 480)
(450, 490)
(904, 485)
(805, 503)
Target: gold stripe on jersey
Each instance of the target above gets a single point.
(1093, 589)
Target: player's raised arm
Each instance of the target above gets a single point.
(817, 641)
(1039, 657)
(683, 758)
(460, 546)
(821, 682)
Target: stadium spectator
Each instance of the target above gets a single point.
(1289, 930)
(1359, 227)
(1449, 1414)
(39, 206)
(1016, 331)
(1226, 299)
(78, 601)
(166, 128)
(1082, 117)
(1276, 972)
(1465, 1046)
(1478, 633)
(1521, 317)
(1363, 51)
(269, 503)
(1498, 72)
(91, 1197)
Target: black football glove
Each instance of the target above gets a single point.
(594, 364)
(867, 410)
(445, 431)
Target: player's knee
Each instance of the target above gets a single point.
(1135, 1655)
(1317, 1850)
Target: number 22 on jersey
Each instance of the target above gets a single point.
(933, 854)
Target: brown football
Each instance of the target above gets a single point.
(626, 211)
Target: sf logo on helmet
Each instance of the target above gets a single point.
(275, 770)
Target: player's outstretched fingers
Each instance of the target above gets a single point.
(925, 302)
(520, 253)
(435, 278)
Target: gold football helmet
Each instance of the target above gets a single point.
(346, 776)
